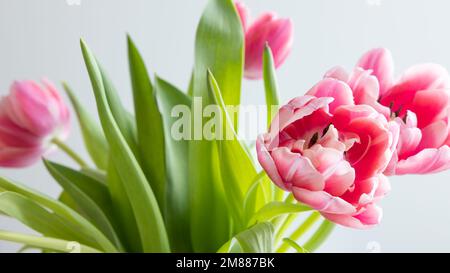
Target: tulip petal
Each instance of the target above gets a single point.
(323, 201)
(426, 161)
(379, 61)
(336, 89)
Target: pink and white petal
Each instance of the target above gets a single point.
(426, 161)
(331, 140)
(267, 163)
(366, 219)
(434, 135)
(297, 170)
(323, 201)
(381, 64)
(333, 88)
(16, 157)
(338, 73)
(366, 90)
(296, 109)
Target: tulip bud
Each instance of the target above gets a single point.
(268, 28)
(30, 117)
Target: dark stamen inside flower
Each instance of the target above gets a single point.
(326, 130)
(313, 140)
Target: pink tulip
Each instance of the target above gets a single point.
(418, 102)
(331, 155)
(30, 117)
(267, 28)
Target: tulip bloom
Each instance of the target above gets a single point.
(331, 155)
(267, 28)
(30, 117)
(418, 102)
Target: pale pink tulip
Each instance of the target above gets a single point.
(330, 154)
(418, 102)
(267, 28)
(30, 117)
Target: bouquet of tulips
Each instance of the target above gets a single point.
(174, 175)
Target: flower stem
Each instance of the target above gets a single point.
(309, 222)
(71, 153)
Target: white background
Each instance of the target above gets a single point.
(40, 38)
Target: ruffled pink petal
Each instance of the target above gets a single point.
(417, 78)
(331, 140)
(366, 90)
(426, 161)
(336, 89)
(336, 172)
(338, 73)
(297, 170)
(372, 153)
(266, 161)
(371, 216)
(434, 135)
(323, 201)
(380, 63)
(409, 137)
(297, 109)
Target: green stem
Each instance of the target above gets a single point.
(319, 236)
(309, 222)
(71, 153)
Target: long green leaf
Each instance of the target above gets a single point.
(257, 239)
(270, 84)
(37, 218)
(46, 243)
(274, 209)
(236, 167)
(319, 236)
(176, 151)
(142, 199)
(150, 133)
(93, 136)
(219, 46)
(91, 197)
(295, 246)
(84, 227)
(124, 215)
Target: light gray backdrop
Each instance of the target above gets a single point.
(40, 38)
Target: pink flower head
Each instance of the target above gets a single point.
(267, 28)
(30, 116)
(331, 155)
(418, 102)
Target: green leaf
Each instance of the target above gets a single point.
(319, 236)
(37, 218)
(236, 166)
(295, 246)
(176, 151)
(150, 133)
(219, 46)
(274, 209)
(124, 120)
(124, 215)
(84, 228)
(93, 136)
(90, 196)
(257, 239)
(46, 243)
(270, 84)
(141, 197)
